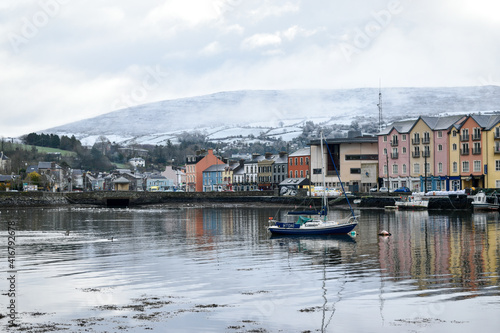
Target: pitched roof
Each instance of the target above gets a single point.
(403, 126)
(215, 168)
(121, 180)
(301, 152)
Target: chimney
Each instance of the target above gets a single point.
(268, 155)
(283, 153)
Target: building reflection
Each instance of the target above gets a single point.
(441, 250)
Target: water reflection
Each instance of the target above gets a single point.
(452, 253)
(226, 256)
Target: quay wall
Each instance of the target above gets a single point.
(121, 199)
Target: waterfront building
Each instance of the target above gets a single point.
(251, 171)
(419, 154)
(213, 178)
(356, 159)
(280, 169)
(394, 151)
(491, 153)
(298, 163)
(195, 165)
(265, 172)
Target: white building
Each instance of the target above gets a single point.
(137, 162)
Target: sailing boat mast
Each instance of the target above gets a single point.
(325, 203)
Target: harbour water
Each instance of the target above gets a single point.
(217, 269)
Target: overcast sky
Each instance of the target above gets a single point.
(66, 60)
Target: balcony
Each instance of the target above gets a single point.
(476, 151)
(415, 154)
(394, 155)
(415, 141)
(464, 151)
(476, 137)
(426, 153)
(464, 137)
(497, 135)
(394, 143)
(497, 150)
(426, 140)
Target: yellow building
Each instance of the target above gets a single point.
(491, 154)
(422, 154)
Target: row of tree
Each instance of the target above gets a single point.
(52, 141)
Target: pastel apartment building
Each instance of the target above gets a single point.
(441, 153)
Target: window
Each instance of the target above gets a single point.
(477, 166)
(440, 167)
(476, 133)
(465, 149)
(291, 161)
(385, 138)
(427, 167)
(404, 150)
(291, 174)
(404, 168)
(454, 147)
(403, 137)
(301, 173)
(385, 169)
(465, 166)
(385, 151)
(454, 133)
(497, 165)
(301, 161)
(477, 148)
(355, 170)
(416, 168)
(440, 147)
(307, 160)
(440, 134)
(296, 174)
(395, 169)
(296, 161)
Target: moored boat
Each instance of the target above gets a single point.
(413, 202)
(481, 201)
(319, 225)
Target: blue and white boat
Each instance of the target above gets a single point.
(319, 224)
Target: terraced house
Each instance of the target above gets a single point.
(441, 153)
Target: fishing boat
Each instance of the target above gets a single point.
(413, 202)
(481, 201)
(317, 223)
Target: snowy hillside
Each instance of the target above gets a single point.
(236, 115)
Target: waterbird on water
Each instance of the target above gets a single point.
(384, 233)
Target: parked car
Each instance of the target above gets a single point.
(384, 189)
(403, 189)
(373, 189)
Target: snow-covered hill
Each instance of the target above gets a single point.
(227, 116)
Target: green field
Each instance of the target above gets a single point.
(44, 149)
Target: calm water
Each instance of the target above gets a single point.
(216, 269)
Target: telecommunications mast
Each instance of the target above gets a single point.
(380, 121)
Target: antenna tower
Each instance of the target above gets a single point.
(380, 121)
